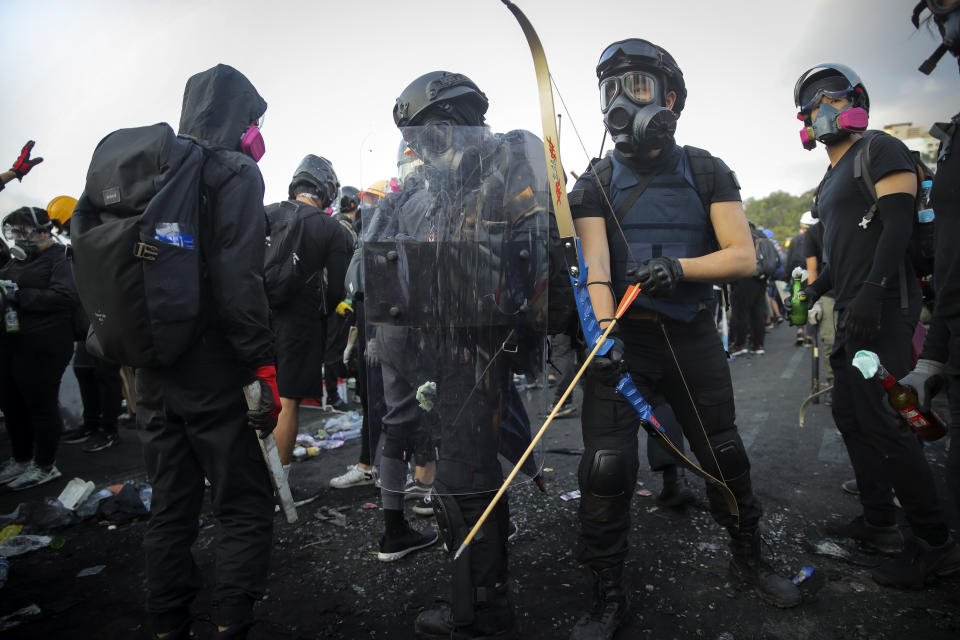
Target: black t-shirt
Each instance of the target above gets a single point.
(593, 205)
(847, 247)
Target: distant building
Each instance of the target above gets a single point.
(916, 139)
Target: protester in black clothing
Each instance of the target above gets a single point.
(940, 357)
(192, 416)
(822, 312)
(667, 340)
(878, 306)
(749, 302)
(101, 393)
(300, 323)
(35, 346)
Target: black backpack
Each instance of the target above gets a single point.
(136, 246)
(923, 240)
(768, 258)
(283, 277)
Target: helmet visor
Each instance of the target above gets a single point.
(637, 86)
(630, 48)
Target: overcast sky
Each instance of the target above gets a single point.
(331, 71)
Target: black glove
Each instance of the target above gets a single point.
(263, 401)
(865, 312)
(608, 368)
(23, 163)
(657, 276)
(810, 296)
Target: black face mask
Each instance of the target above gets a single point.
(636, 130)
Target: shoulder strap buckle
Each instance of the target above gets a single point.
(145, 251)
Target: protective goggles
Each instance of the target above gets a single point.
(22, 229)
(632, 48)
(637, 86)
(834, 88)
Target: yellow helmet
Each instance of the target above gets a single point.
(378, 189)
(61, 208)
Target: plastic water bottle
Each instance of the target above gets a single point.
(11, 319)
(926, 214)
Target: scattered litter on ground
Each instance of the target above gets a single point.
(91, 571)
(75, 493)
(368, 505)
(803, 574)
(646, 493)
(331, 515)
(570, 495)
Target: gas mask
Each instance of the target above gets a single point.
(632, 115)
(832, 126)
(448, 151)
(23, 236)
(947, 20)
(251, 142)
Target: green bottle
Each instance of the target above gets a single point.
(798, 301)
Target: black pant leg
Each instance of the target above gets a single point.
(39, 363)
(89, 395)
(16, 414)
(883, 452)
(110, 388)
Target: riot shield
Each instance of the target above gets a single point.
(455, 279)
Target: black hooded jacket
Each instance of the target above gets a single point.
(219, 104)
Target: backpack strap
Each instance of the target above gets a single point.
(861, 174)
(704, 174)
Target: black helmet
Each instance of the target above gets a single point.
(349, 199)
(835, 80)
(443, 90)
(636, 54)
(318, 173)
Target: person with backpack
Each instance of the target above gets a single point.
(938, 366)
(877, 301)
(36, 342)
(191, 313)
(670, 219)
(304, 269)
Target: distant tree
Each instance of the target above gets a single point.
(779, 212)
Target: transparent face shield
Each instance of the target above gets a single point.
(639, 87)
(455, 272)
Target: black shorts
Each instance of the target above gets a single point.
(301, 341)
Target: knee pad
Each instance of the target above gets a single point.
(606, 475)
(732, 458)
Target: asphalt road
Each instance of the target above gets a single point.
(326, 582)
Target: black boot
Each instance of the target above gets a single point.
(610, 606)
(492, 618)
(747, 567)
(676, 492)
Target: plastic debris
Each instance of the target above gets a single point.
(368, 505)
(803, 574)
(570, 495)
(646, 493)
(331, 515)
(11, 530)
(14, 619)
(91, 571)
(18, 545)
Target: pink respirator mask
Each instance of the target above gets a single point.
(831, 124)
(252, 143)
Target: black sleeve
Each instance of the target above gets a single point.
(812, 241)
(585, 198)
(936, 346)
(235, 263)
(339, 252)
(726, 188)
(896, 212)
(889, 155)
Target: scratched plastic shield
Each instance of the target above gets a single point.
(455, 297)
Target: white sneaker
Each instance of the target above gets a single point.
(354, 477)
(34, 476)
(11, 470)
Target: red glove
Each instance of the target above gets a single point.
(263, 400)
(23, 163)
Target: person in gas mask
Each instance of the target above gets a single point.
(669, 218)
(877, 302)
(192, 416)
(35, 346)
(452, 265)
(939, 363)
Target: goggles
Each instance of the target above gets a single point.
(835, 88)
(637, 86)
(631, 48)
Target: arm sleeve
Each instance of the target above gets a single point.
(339, 252)
(585, 198)
(235, 264)
(726, 188)
(937, 344)
(896, 211)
